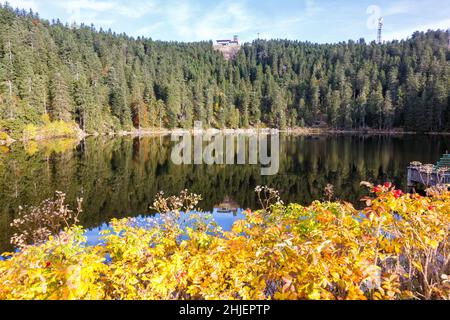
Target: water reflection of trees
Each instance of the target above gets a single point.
(119, 177)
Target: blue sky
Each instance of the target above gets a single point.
(193, 20)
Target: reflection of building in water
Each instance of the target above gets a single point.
(227, 205)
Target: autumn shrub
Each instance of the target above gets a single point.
(36, 224)
(55, 129)
(413, 239)
(30, 132)
(4, 136)
(396, 248)
(61, 268)
(185, 201)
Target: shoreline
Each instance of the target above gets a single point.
(293, 131)
(308, 131)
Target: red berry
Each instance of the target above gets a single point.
(387, 185)
(48, 264)
(398, 194)
(376, 189)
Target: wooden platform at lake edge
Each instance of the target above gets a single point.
(429, 175)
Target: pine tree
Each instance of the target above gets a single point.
(334, 109)
(174, 104)
(60, 100)
(388, 111)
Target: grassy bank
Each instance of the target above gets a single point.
(396, 248)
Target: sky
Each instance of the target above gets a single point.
(326, 21)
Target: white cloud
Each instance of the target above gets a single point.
(189, 21)
(88, 5)
(89, 10)
(399, 8)
(149, 30)
(137, 9)
(407, 32)
(224, 20)
(312, 8)
(179, 17)
(292, 25)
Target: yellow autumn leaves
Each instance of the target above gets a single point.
(50, 129)
(396, 248)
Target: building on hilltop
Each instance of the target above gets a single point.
(228, 42)
(229, 48)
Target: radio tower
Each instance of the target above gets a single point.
(380, 29)
(448, 35)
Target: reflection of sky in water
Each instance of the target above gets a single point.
(224, 219)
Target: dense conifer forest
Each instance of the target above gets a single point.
(106, 81)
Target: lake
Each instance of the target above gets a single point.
(119, 176)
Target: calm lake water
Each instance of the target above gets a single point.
(119, 177)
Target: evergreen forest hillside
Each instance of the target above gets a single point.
(105, 81)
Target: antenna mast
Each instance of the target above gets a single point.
(448, 35)
(380, 29)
